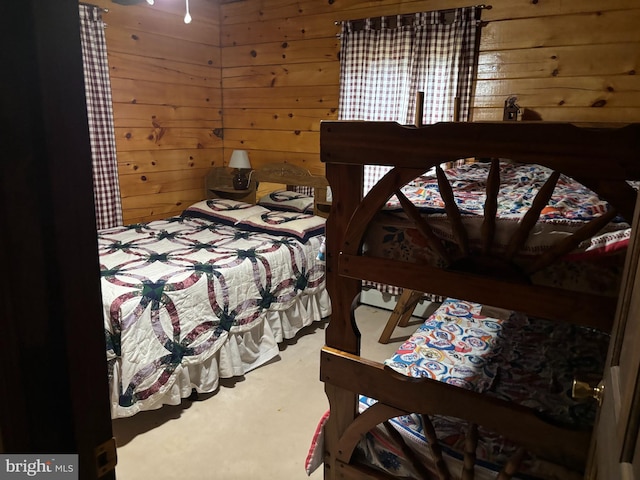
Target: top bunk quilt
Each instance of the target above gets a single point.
(570, 207)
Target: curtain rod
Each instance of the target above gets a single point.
(479, 7)
(104, 9)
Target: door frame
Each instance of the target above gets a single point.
(54, 387)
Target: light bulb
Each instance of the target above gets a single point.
(187, 17)
(150, 2)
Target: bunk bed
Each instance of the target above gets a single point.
(484, 385)
(209, 294)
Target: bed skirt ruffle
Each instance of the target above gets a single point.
(239, 351)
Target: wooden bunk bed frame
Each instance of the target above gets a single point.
(600, 157)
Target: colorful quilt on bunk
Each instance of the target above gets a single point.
(454, 345)
(570, 206)
(528, 361)
(174, 289)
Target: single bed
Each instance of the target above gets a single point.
(209, 294)
(484, 385)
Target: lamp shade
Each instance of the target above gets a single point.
(239, 159)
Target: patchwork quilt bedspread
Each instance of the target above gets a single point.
(179, 294)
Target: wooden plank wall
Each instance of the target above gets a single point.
(167, 101)
(261, 74)
(574, 60)
(280, 77)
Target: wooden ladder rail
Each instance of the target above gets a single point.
(401, 313)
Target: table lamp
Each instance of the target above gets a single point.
(240, 161)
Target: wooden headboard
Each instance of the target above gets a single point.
(287, 174)
(268, 178)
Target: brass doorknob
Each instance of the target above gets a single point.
(581, 390)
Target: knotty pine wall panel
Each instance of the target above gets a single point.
(288, 52)
(167, 102)
(304, 119)
(280, 78)
(147, 162)
(262, 74)
(138, 115)
(574, 60)
(321, 73)
(131, 66)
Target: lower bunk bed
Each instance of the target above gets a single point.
(485, 386)
(527, 362)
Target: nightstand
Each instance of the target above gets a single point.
(219, 184)
(224, 191)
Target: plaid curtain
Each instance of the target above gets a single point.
(106, 189)
(384, 64)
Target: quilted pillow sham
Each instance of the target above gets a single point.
(226, 212)
(291, 224)
(287, 201)
(256, 218)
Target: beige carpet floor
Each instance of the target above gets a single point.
(255, 427)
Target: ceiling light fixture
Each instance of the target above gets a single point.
(187, 17)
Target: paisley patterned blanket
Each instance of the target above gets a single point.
(571, 205)
(187, 301)
(527, 361)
